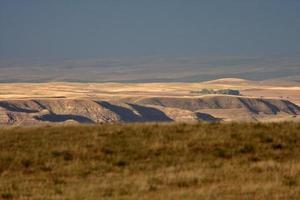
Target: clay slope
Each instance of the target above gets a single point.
(151, 109)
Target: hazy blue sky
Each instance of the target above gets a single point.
(80, 29)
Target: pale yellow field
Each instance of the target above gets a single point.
(126, 90)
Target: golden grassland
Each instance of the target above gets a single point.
(73, 90)
(151, 161)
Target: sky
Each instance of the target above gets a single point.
(87, 29)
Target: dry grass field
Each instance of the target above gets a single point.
(115, 91)
(151, 161)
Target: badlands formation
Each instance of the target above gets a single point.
(58, 102)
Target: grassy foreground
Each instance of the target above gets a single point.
(151, 161)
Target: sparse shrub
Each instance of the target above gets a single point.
(56, 153)
(46, 168)
(58, 181)
(85, 174)
(290, 181)
(5, 164)
(121, 163)
(7, 195)
(107, 150)
(254, 159)
(267, 139)
(222, 153)
(108, 192)
(154, 183)
(26, 163)
(58, 191)
(277, 146)
(186, 182)
(247, 148)
(152, 188)
(216, 165)
(67, 155)
(235, 136)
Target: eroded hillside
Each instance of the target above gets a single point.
(148, 109)
(32, 103)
